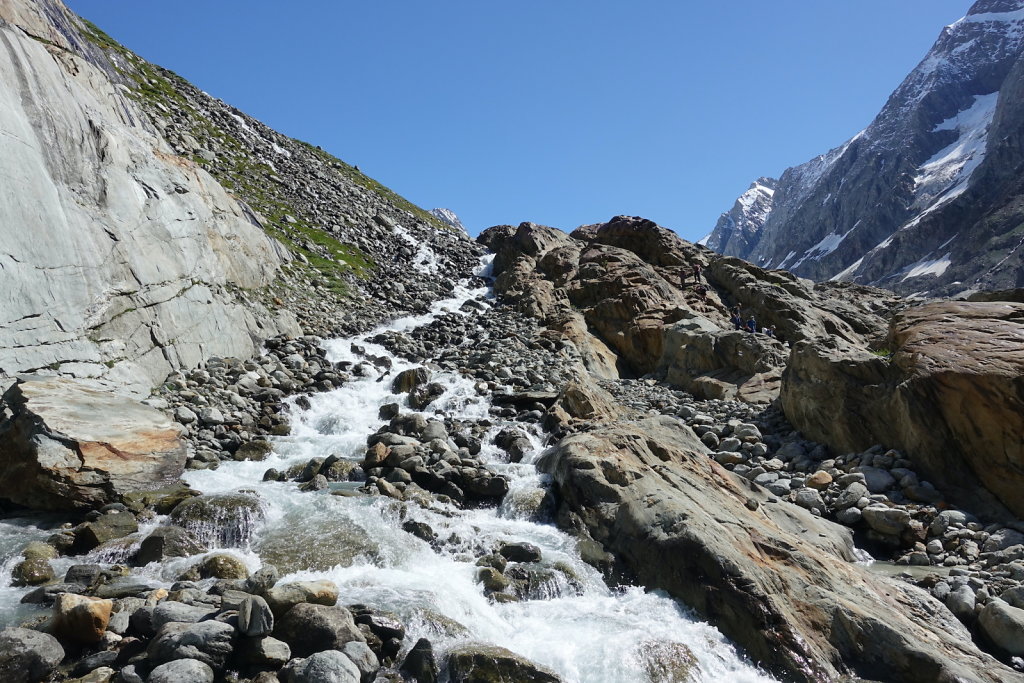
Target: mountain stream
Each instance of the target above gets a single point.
(570, 622)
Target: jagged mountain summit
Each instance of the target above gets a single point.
(448, 217)
(927, 198)
(741, 225)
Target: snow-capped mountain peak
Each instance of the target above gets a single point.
(900, 204)
(449, 217)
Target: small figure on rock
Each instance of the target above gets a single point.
(696, 273)
(770, 331)
(736, 319)
(702, 293)
(751, 325)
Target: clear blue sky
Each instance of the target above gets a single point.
(561, 112)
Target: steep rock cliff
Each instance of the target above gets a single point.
(118, 258)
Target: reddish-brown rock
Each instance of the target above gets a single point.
(950, 395)
(66, 444)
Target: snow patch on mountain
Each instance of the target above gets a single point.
(826, 246)
(928, 267)
(947, 173)
(1018, 15)
(847, 272)
(783, 262)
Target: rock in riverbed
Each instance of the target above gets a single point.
(68, 445)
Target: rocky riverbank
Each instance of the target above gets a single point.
(895, 511)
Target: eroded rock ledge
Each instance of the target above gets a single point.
(771, 576)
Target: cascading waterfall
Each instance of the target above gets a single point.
(569, 620)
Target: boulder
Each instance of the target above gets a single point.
(166, 542)
(161, 500)
(885, 520)
(35, 568)
(258, 449)
(407, 380)
(218, 566)
(475, 662)
(172, 611)
(28, 656)
(520, 552)
(263, 652)
(819, 480)
(950, 396)
(67, 445)
(331, 666)
(210, 642)
(282, 598)
(364, 659)
(182, 671)
(309, 628)
(778, 581)
(419, 664)
(583, 400)
(107, 527)
(876, 479)
(255, 618)
(1003, 625)
(80, 619)
(226, 519)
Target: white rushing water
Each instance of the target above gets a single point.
(572, 622)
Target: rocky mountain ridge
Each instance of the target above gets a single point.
(926, 198)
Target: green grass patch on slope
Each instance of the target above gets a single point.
(249, 180)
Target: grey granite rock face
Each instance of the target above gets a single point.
(923, 199)
(776, 579)
(120, 259)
